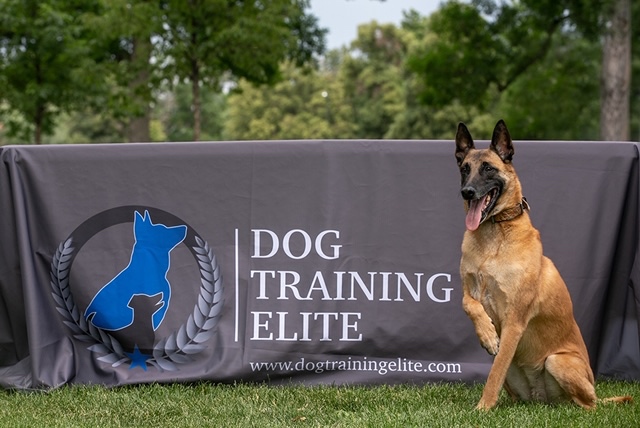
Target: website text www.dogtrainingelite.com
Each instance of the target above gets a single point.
(382, 367)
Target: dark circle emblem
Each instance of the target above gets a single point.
(169, 352)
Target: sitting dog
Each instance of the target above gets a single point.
(515, 296)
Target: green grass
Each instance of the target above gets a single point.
(180, 405)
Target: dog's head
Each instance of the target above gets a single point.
(489, 183)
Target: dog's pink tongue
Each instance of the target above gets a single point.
(474, 215)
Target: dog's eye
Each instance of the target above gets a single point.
(488, 168)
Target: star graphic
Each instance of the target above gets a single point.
(138, 358)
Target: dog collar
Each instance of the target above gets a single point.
(511, 213)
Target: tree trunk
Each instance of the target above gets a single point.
(38, 121)
(38, 132)
(196, 104)
(616, 75)
(138, 129)
(40, 108)
(138, 126)
(195, 70)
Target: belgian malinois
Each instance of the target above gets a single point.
(515, 296)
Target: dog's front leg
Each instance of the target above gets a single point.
(485, 330)
(510, 337)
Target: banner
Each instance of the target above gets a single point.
(320, 262)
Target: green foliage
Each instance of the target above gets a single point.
(112, 58)
(173, 113)
(122, 47)
(84, 127)
(46, 65)
(479, 47)
(105, 63)
(371, 78)
(519, 61)
(589, 16)
(418, 119)
(368, 91)
(559, 97)
(208, 40)
(210, 37)
(461, 58)
(378, 93)
(442, 405)
(305, 105)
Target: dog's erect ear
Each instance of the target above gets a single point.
(464, 142)
(501, 142)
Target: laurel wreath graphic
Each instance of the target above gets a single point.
(169, 352)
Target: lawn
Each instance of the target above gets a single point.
(180, 405)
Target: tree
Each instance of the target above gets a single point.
(123, 44)
(472, 54)
(112, 56)
(46, 63)
(488, 45)
(610, 21)
(305, 104)
(173, 109)
(360, 92)
(635, 77)
(419, 120)
(208, 41)
(616, 73)
(558, 97)
(372, 94)
(371, 77)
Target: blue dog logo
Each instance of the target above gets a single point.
(146, 275)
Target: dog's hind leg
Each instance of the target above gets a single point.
(573, 374)
(517, 384)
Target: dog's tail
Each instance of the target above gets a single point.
(622, 399)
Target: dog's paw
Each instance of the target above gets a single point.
(488, 400)
(491, 344)
(487, 334)
(483, 406)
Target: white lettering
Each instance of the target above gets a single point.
(339, 276)
(318, 279)
(266, 244)
(275, 243)
(368, 292)
(291, 284)
(385, 287)
(325, 324)
(336, 248)
(257, 326)
(287, 248)
(447, 291)
(281, 335)
(284, 285)
(264, 324)
(263, 282)
(305, 326)
(346, 326)
(415, 293)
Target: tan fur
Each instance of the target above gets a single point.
(517, 300)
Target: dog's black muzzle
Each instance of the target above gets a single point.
(468, 193)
